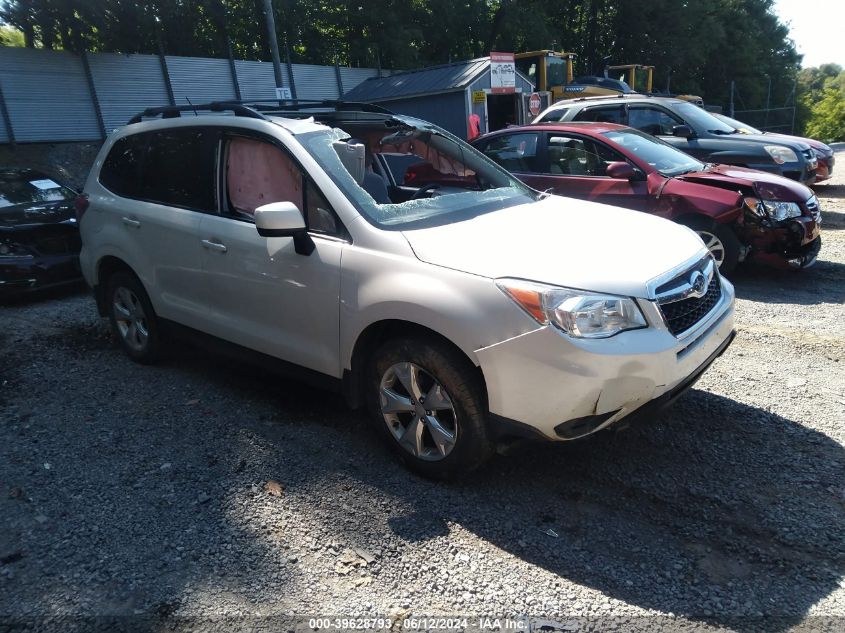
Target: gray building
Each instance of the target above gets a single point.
(447, 95)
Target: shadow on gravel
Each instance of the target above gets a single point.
(821, 283)
(42, 296)
(832, 220)
(829, 191)
(714, 508)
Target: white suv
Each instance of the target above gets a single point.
(383, 256)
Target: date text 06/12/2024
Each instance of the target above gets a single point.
(421, 624)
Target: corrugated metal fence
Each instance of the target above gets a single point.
(50, 96)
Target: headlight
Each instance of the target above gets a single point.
(773, 209)
(781, 154)
(579, 313)
(8, 248)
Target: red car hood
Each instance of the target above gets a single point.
(768, 186)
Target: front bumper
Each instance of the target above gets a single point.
(795, 243)
(564, 388)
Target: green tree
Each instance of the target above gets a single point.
(10, 36)
(827, 117)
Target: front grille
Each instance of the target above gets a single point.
(682, 315)
(814, 208)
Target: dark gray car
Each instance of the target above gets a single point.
(692, 130)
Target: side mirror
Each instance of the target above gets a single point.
(683, 130)
(279, 219)
(621, 169)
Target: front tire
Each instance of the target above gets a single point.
(427, 400)
(132, 318)
(720, 240)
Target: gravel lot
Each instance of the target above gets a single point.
(143, 491)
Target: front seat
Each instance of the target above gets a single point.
(374, 185)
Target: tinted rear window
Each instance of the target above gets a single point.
(554, 115)
(179, 168)
(606, 114)
(122, 168)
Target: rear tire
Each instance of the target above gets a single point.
(427, 400)
(720, 240)
(132, 318)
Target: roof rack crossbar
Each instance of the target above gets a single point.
(167, 112)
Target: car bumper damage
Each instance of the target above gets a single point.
(561, 388)
(793, 244)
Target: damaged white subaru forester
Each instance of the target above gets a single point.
(386, 258)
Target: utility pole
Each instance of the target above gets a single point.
(768, 102)
(274, 43)
(731, 106)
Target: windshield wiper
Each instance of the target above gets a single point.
(723, 133)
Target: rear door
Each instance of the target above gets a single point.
(166, 184)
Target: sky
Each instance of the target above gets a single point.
(816, 27)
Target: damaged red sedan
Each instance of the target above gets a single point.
(739, 213)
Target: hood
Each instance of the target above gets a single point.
(766, 185)
(823, 147)
(772, 139)
(563, 242)
(32, 214)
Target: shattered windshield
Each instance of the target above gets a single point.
(405, 175)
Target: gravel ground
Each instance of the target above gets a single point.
(199, 489)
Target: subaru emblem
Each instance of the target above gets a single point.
(698, 284)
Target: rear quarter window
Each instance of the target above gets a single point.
(604, 114)
(121, 171)
(554, 115)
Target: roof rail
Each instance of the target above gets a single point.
(253, 109)
(303, 104)
(168, 112)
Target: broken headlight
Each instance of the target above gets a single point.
(775, 210)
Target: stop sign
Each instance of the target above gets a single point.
(534, 104)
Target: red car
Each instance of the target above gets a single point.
(739, 213)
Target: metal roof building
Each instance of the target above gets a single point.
(447, 95)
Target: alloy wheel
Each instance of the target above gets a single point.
(418, 411)
(130, 319)
(714, 245)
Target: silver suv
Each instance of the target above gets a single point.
(381, 255)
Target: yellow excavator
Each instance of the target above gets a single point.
(552, 71)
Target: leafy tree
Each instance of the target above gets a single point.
(10, 36)
(827, 116)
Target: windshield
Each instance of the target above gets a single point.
(555, 71)
(700, 119)
(29, 187)
(738, 125)
(659, 154)
(414, 174)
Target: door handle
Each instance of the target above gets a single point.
(135, 224)
(214, 246)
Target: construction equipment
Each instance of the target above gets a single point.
(552, 71)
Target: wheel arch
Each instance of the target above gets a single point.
(106, 267)
(376, 333)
